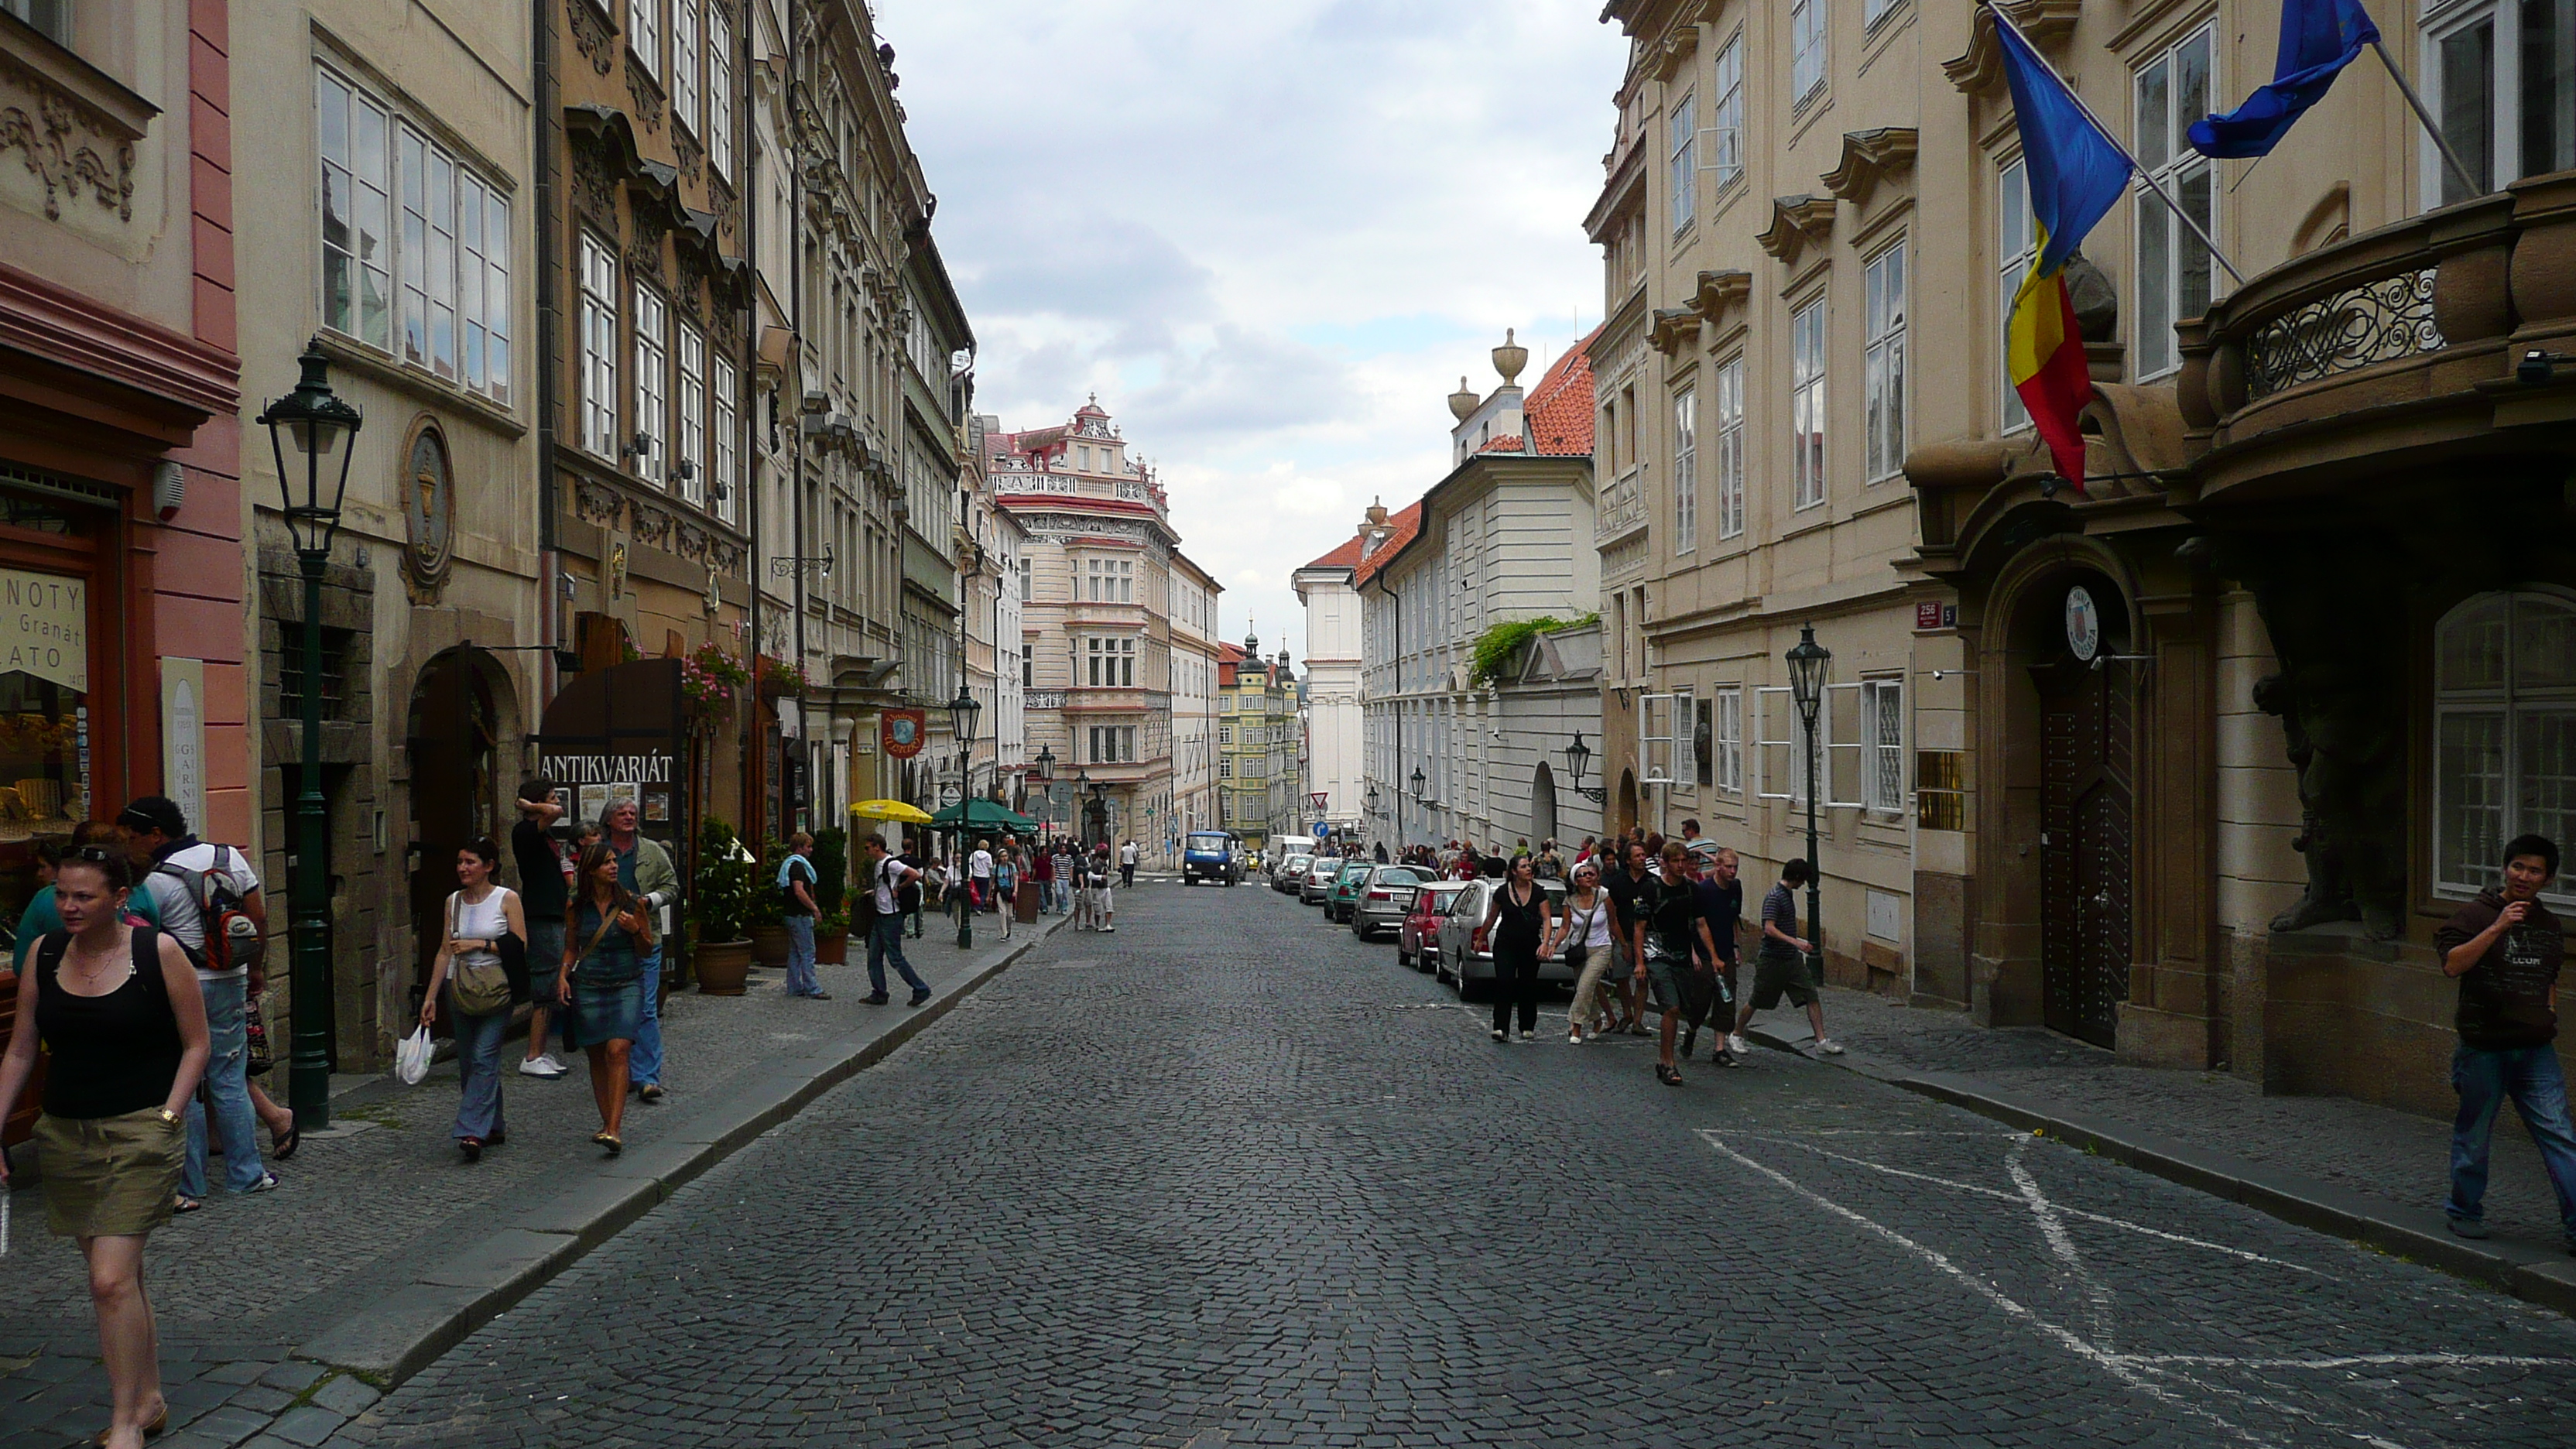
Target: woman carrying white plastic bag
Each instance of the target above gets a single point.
(411, 1057)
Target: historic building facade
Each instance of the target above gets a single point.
(1257, 742)
(1105, 573)
(1491, 550)
(1194, 702)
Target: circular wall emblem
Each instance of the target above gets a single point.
(429, 511)
(2083, 624)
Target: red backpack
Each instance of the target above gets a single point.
(232, 938)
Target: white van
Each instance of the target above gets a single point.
(1283, 846)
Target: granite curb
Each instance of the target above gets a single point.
(2534, 1272)
(412, 1325)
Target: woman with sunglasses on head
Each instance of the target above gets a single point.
(1585, 934)
(603, 980)
(118, 1010)
(483, 921)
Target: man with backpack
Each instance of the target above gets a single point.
(208, 899)
(891, 884)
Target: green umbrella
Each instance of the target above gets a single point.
(982, 814)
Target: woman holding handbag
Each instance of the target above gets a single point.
(484, 921)
(602, 977)
(1586, 936)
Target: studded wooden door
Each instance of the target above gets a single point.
(451, 740)
(2086, 771)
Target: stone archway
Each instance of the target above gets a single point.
(1542, 803)
(1627, 801)
(453, 735)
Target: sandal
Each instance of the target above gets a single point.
(472, 1147)
(152, 1430)
(609, 1140)
(183, 1203)
(281, 1146)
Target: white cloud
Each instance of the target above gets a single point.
(1270, 237)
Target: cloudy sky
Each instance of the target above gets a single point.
(1270, 236)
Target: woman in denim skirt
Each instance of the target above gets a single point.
(603, 979)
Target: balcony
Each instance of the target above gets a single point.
(2399, 343)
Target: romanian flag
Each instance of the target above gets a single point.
(2076, 174)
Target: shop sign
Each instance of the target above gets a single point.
(904, 732)
(183, 735)
(2083, 624)
(44, 627)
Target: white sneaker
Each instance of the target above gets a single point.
(1827, 1045)
(1736, 1044)
(544, 1068)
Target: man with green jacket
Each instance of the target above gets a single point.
(644, 867)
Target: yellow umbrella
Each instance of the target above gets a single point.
(890, 810)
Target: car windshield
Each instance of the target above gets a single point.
(1301, 862)
(1208, 842)
(1398, 875)
(1355, 869)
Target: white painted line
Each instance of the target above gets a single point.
(4, 1222)
(2122, 1223)
(2060, 1242)
(2348, 1361)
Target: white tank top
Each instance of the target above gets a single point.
(489, 921)
(1593, 925)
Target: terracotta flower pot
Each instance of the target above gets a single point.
(769, 945)
(722, 967)
(831, 948)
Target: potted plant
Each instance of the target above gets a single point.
(718, 897)
(767, 915)
(832, 896)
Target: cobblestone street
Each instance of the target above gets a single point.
(1231, 1177)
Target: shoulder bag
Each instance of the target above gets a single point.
(481, 987)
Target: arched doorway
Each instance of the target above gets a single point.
(1543, 804)
(1627, 801)
(452, 734)
(2075, 632)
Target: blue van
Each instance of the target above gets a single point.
(1210, 855)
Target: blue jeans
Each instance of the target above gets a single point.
(800, 957)
(2532, 1078)
(644, 1058)
(478, 1069)
(227, 1042)
(885, 939)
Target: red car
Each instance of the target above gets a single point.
(1422, 924)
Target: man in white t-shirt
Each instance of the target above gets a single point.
(889, 881)
(180, 871)
(979, 875)
(1127, 864)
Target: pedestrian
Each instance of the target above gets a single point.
(1550, 866)
(1690, 832)
(796, 909)
(41, 917)
(1625, 883)
(1104, 906)
(1006, 885)
(1721, 906)
(1127, 865)
(1519, 922)
(1672, 941)
(2506, 948)
(915, 892)
(889, 878)
(979, 877)
(542, 896)
(1042, 870)
(192, 884)
(644, 869)
(1783, 963)
(1585, 936)
(605, 978)
(122, 1019)
(485, 924)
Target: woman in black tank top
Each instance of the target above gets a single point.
(117, 1007)
(1523, 915)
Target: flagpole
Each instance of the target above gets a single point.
(2459, 169)
(2000, 18)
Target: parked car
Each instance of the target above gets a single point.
(1417, 940)
(1210, 855)
(1473, 970)
(1384, 899)
(1317, 884)
(1287, 875)
(1346, 889)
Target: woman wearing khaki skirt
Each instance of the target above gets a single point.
(118, 1008)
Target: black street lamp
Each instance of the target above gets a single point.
(1578, 761)
(962, 713)
(317, 428)
(1807, 662)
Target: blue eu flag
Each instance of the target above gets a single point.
(2318, 39)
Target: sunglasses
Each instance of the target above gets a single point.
(95, 854)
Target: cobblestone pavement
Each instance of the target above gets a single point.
(2398, 1157)
(238, 1285)
(1229, 1177)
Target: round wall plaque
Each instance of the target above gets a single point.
(2083, 624)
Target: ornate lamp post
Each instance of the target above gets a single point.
(1807, 662)
(316, 428)
(1044, 768)
(1578, 760)
(961, 718)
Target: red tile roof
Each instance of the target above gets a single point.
(1346, 556)
(1507, 443)
(1402, 526)
(1558, 411)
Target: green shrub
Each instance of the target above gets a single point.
(721, 892)
(1497, 646)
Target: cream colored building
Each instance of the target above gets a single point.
(1195, 802)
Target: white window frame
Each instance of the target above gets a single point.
(599, 319)
(2164, 152)
(644, 33)
(1654, 744)
(1808, 364)
(2511, 704)
(1839, 754)
(726, 482)
(719, 132)
(684, 65)
(1727, 749)
(1874, 11)
(1724, 153)
(652, 384)
(1810, 49)
(1883, 363)
(1686, 470)
(689, 415)
(2492, 149)
(1727, 382)
(1681, 136)
(2016, 241)
(1776, 705)
(1882, 722)
(359, 170)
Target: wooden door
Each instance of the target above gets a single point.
(452, 729)
(2087, 765)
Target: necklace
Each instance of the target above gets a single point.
(87, 967)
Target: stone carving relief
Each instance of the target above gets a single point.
(67, 146)
(592, 34)
(645, 252)
(597, 502)
(653, 526)
(594, 180)
(692, 155)
(693, 541)
(428, 491)
(693, 277)
(646, 93)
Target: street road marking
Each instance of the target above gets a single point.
(2060, 1242)
(2350, 1360)
(1981, 1191)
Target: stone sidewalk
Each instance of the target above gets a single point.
(383, 1246)
(2332, 1163)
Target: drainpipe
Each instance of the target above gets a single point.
(549, 554)
(750, 500)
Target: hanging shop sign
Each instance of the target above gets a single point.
(904, 731)
(2083, 624)
(44, 627)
